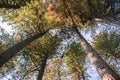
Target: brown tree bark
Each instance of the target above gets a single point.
(9, 53)
(9, 6)
(42, 69)
(12, 4)
(81, 76)
(102, 67)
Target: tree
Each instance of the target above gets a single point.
(41, 53)
(9, 53)
(38, 27)
(96, 60)
(7, 41)
(9, 4)
(50, 50)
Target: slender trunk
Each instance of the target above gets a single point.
(59, 75)
(41, 71)
(9, 6)
(9, 53)
(12, 4)
(81, 76)
(102, 67)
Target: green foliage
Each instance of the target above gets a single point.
(77, 9)
(108, 43)
(38, 49)
(83, 12)
(28, 18)
(44, 13)
(75, 59)
(54, 69)
(3, 46)
(5, 40)
(113, 66)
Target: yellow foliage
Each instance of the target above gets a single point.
(51, 14)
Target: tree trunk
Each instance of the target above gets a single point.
(102, 67)
(12, 4)
(9, 53)
(81, 76)
(41, 71)
(9, 6)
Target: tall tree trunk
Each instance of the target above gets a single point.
(41, 71)
(102, 67)
(9, 53)
(81, 76)
(10, 4)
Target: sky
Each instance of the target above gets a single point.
(5, 25)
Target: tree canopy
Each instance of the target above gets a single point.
(39, 24)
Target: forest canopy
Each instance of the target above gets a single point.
(34, 49)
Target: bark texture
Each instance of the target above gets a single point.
(12, 4)
(42, 69)
(102, 67)
(9, 6)
(9, 53)
(81, 76)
